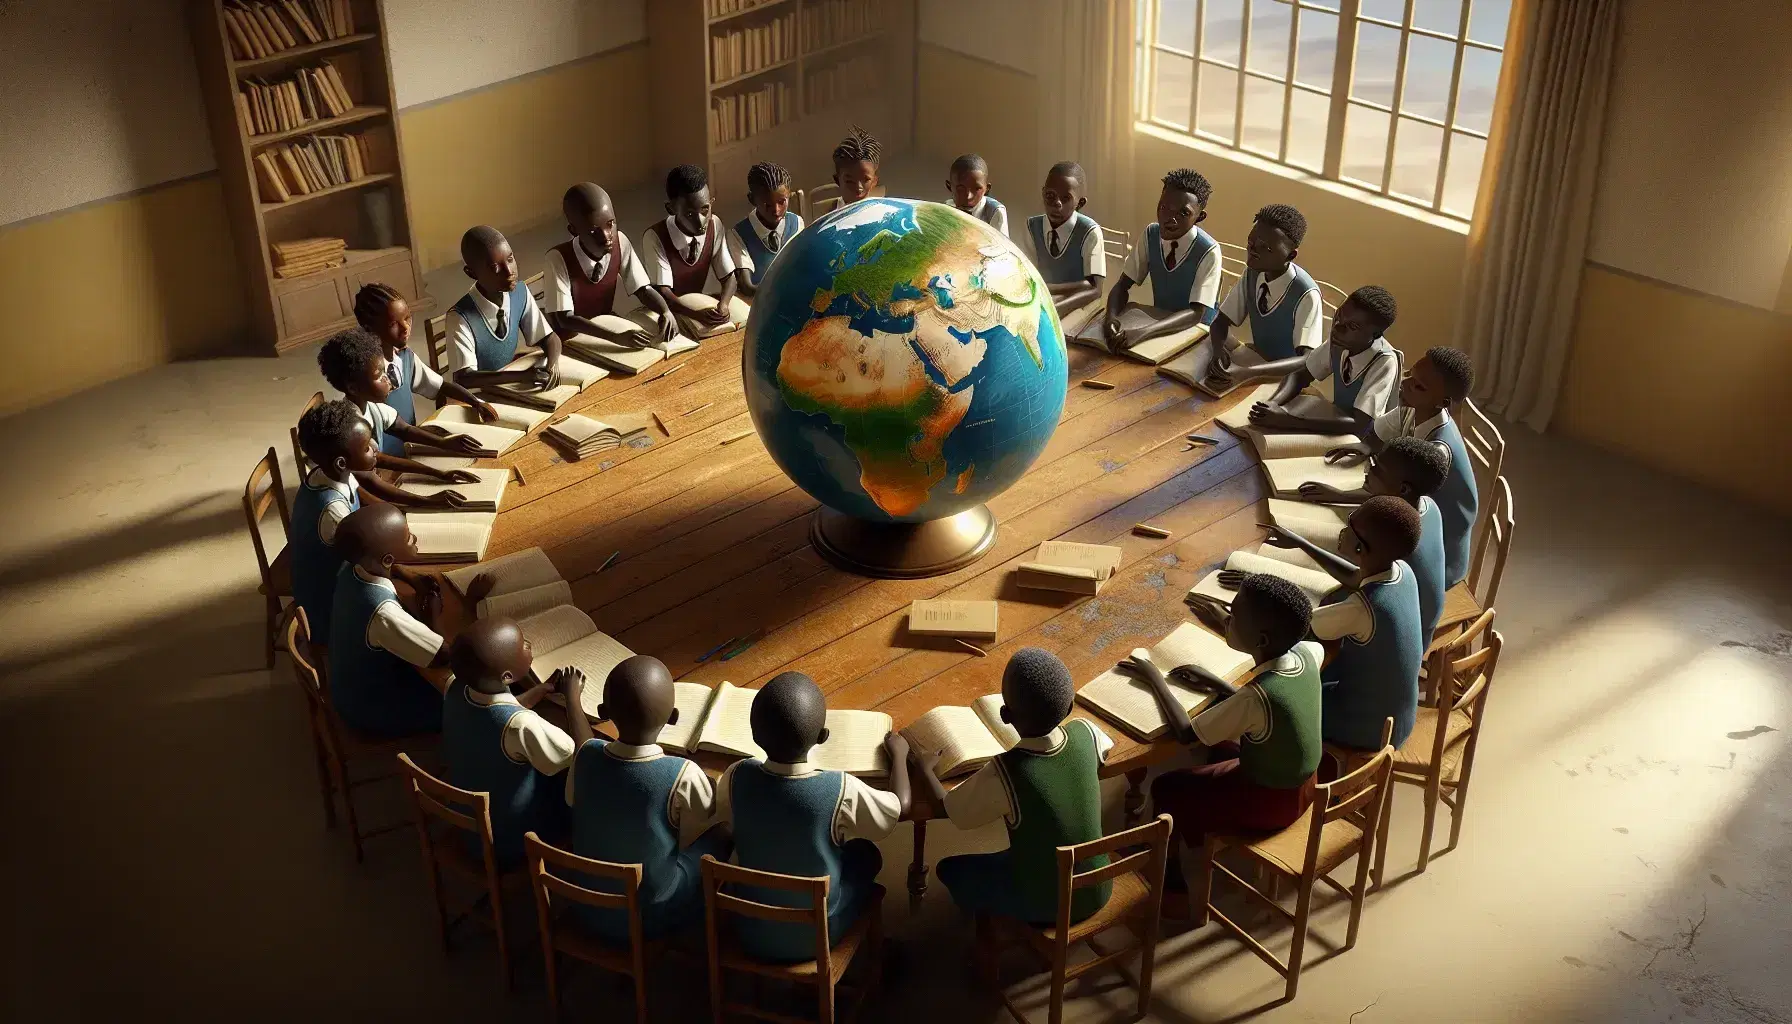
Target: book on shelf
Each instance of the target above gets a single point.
(451, 537)
(1128, 701)
(307, 95)
(577, 436)
(1286, 475)
(256, 30)
(967, 738)
(460, 421)
(855, 76)
(1134, 318)
(565, 637)
(830, 22)
(307, 255)
(972, 619)
(740, 116)
(517, 571)
(855, 738)
(623, 358)
(1315, 583)
(484, 495)
(1069, 567)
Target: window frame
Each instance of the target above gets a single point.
(1339, 100)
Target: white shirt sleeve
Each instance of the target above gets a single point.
(1138, 260)
(1381, 382)
(631, 277)
(654, 261)
(532, 738)
(1306, 322)
(737, 249)
(1393, 423)
(399, 632)
(1207, 279)
(980, 799)
(1239, 715)
(723, 811)
(380, 414)
(693, 803)
(1350, 617)
(1095, 252)
(1232, 306)
(424, 380)
(1319, 361)
(334, 512)
(721, 261)
(1103, 742)
(558, 297)
(1000, 221)
(461, 356)
(865, 813)
(534, 326)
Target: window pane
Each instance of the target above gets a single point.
(1417, 149)
(1377, 56)
(1306, 129)
(1222, 22)
(1176, 24)
(1474, 96)
(1318, 49)
(1365, 145)
(1386, 10)
(1330, 5)
(1437, 15)
(1271, 24)
(1219, 101)
(1428, 65)
(1463, 178)
(1263, 117)
(1487, 21)
(1173, 82)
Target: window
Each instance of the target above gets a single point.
(1395, 96)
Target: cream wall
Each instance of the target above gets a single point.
(979, 92)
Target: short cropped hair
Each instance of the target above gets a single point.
(346, 354)
(478, 242)
(765, 178)
(1285, 612)
(1044, 684)
(1454, 367)
(1286, 219)
(970, 162)
(582, 197)
(1193, 182)
(324, 429)
(1392, 521)
(684, 180)
(1069, 169)
(858, 145)
(1378, 303)
(1423, 464)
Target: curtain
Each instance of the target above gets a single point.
(1522, 277)
(1085, 93)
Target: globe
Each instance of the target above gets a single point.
(903, 362)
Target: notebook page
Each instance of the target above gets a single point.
(989, 709)
(1332, 515)
(1162, 347)
(1237, 418)
(855, 743)
(452, 536)
(485, 495)
(520, 604)
(595, 654)
(1271, 445)
(1286, 475)
(1130, 702)
(493, 437)
(692, 701)
(960, 736)
(1293, 556)
(555, 628)
(518, 570)
(625, 358)
(1313, 583)
(728, 727)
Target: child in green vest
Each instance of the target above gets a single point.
(1046, 790)
(1263, 736)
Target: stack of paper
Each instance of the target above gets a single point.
(1069, 567)
(577, 436)
(1135, 319)
(974, 619)
(484, 495)
(1128, 702)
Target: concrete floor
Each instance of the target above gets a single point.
(1626, 856)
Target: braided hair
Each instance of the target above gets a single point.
(858, 145)
(765, 178)
(371, 303)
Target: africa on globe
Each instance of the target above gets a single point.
(903, 362)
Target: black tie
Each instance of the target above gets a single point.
(392, 373)
(1052, 243)
(1170, 260)
(771, 240)
(498, 322)
(1263, 297)
(691, 255)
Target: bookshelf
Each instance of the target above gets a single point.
(735, 82)
(300, 102)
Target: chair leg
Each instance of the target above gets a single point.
(322, 759)
(1148, 952)
(495, 887)
(553, 972)
(1303, 905)
(1381, 833)
(1461, 808)
(273, 629)
(1056, 1014)
(348, 810)
(430, 872)
(716, 995)
(640, 995)
(988, 966)
(1432, 786)
(1202, 893)
(824, 997)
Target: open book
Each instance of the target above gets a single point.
(967, 738)
(855, 738)
(577, 436)
(520, 604)
(575, 376)
(519, 570)
(449, 537)
(1272, 444)
(1128, 702)
(685, 305)
(1069, 567)
(1286, 475)
(1238, 418)
(483, 496)
(975, 619)
(514, 417)
(1155, 350)
(563, 636)
(494, 439)
(1193, 366)
(622, 357)
(1315, 583)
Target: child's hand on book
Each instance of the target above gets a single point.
(1140, 665)
(533, 695)
(1113, 332)
(926, 762)
(547, 373)
(461, 443)
(481, 587)
(1269, 414)
(668, 329)
(487, 412)
(714, 317)
(1344, 455)
(1313, 490)
(570, 682)
(1280, 538)
(446, 499)
(1210, 610)
(896, 745)
(457, 476)
(1232, 579)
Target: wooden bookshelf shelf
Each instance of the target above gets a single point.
(302, 52)
(358, 183)
(354, 116)
(762, 5)
(822, 51)
(728, 83)
(355, 258)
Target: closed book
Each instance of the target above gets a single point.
(240, 49)
(295, 13)
(277, 22)
(1069, 567)
(276, 43)
(252, 28)
(974, 619)
(273, 190)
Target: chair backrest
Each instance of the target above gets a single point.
(1486, 447)
(1465, 667)
(537, 285)
(1494, 538)
(1231, 266)
(1357, 796)
(819, 200)
(549, 870)
(300, 461)
(265, 489)
(435, 342)
(1117, 245)
(815, 914)
(437, 800)
(306, 668)
(1153, 836)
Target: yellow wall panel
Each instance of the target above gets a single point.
(966, 105)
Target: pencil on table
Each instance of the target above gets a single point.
(973, 648)
(663, 428)
(1147, 530)
(700, 408)
(717, 649)
(738, 437)
(517, 471)
(669, 371)
(607, 562)
(741, 648)
(1099, 385)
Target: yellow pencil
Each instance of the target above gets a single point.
(973, 648)
(738, 437)
(1147, 530)
(663, 428)
(1099, 385)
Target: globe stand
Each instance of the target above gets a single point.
(903, 551)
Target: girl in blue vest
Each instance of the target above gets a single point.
(1067, 246)
(761, 235)
(1047, 790)
(385, 314)
(497, 316)
(1181, 261)
(1441, 378)
(378, 647)
(1277, 298)
(631, 801)
(354, 363)
(794, 819)
(495, 743)
(1363, 367)
(968, 181)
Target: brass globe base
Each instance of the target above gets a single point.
(903, 551)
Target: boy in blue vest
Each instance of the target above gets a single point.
(796, 820)
(1363, 367)
(1441, 378)
(1181, 261)
(354, 363)
(686, 254)
(857, 160)
(968, 181)
(377, 645)
(1066, 245)
(1047, 791)
(491, 323)
(1277, 298)
(762, 234)
(495, 743)
(1262, 736)
(631, 801)
(385, 314)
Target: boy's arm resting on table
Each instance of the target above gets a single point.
(926, 764)
(1181, 320)
(450, 389)
(743, 283)
(372, 484)
(431, 437)
(1239, 714)
(897, 747)
(1075, 293)
(571, 684)
(1313, 490)
(655, 303)
(1340, 568)
(1140, 667)
(400, 464)
(566, 322)
(978, 800)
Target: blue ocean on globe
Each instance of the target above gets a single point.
(903, 361)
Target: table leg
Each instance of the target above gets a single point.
(917, 868)
(1135, 796)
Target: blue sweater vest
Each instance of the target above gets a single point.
(401, 400)
(491, 352)
(375, 691)
(1344, 395)
(1427, 561)
(991, 207)
(785, 825)
(1174, 289)
(314, 563)
(1377, 679)
(523, 799)
(1272, 333)
(1067, 267)
(621, 815)
(749, 228)
(1458, 500)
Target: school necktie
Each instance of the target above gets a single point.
(392, 373)
(1051, 243)
(498, 322)
(690, 255)
(1170, 260)
(1263, 297)
(771, 240)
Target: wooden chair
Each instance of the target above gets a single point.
(1486, 450)
(1231, 266)
(1439, 755)
(831, 958)
(819, 201)
(1116, 245)
(1493, 545)
(300, 461)
(264, 490)
(339, 748)
(1136, 901)
(561, 935)
(462, 814)
(1341, 824)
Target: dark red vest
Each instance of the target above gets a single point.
(591, 298)
(687, 278)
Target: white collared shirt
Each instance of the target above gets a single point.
(379, 416)
(1245, 714)
(1383, 381)
(528, 736)
(737, 246)
(1207, 274)
(425, 382)
(690, 807)
(984, 797)
(1000, 223)
(659, 264)
(1399, 421)
(1352, 616)
(1095, 254)
(1236, 307)
(337, 507)
(631, 277)
(461, 355)
(397, 631)
(863, 812)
